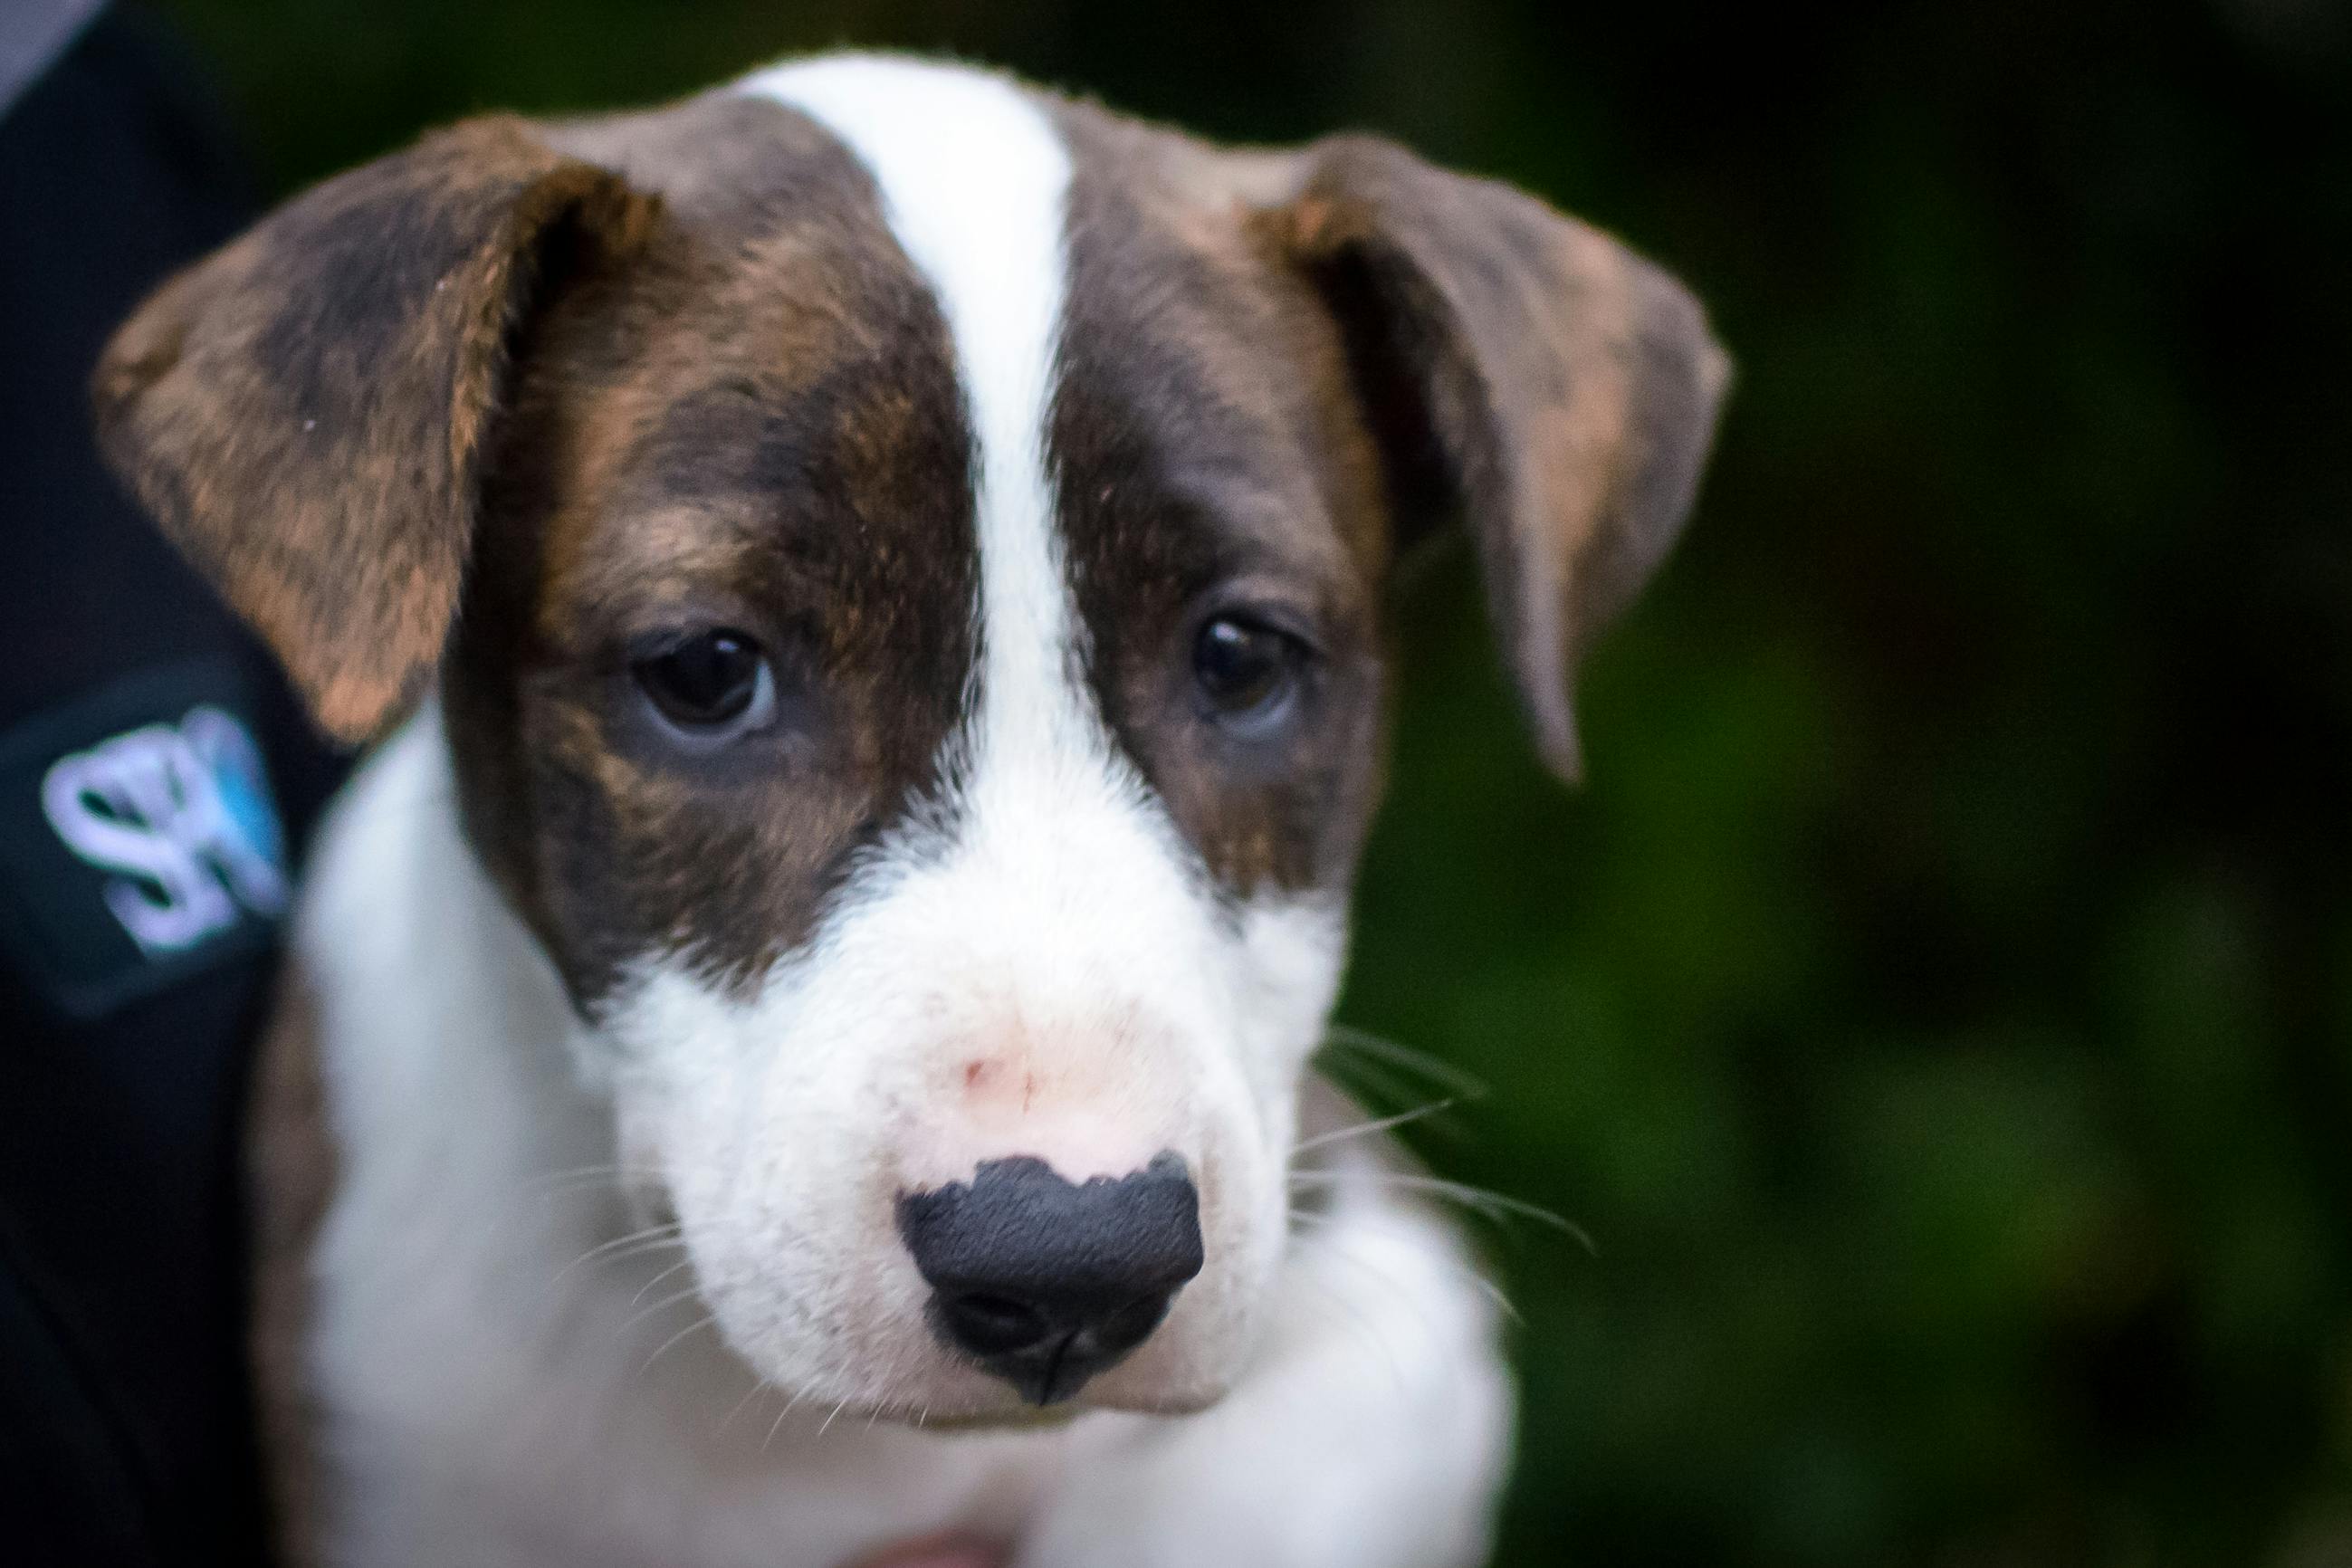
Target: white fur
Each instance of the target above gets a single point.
(496, 1397)
(490, 1388)
(973, 178)
(1034, 965)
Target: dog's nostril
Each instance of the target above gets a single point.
(1046, 1281)
(993, 1325)
(1132, 1324)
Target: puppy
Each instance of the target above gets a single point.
(872, 578)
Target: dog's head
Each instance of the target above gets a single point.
(902, 558)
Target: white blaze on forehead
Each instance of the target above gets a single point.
(1065, 892)
(1038, 968)
(1067, 885)
(1067, 906)
(973, 178)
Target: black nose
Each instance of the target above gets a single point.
(1043, 1281)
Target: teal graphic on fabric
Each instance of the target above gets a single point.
(139, 836)
(179, 812)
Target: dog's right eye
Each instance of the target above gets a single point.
(711, 685)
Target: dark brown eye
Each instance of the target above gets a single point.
(1246, 670)
(713, 684)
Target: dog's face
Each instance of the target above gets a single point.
(903, 558)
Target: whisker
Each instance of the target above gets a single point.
(704, 1322)
(557, 1183)
(1379, 1124)
(777, 1423)
(1457, 1082)
(1492, 1291)
(1368, 1083)
(1495, 1205)
(642, 1246)
(682, 1263)
(647, 1239)
(602, 1168)
(659, 1307)
(759, 1386)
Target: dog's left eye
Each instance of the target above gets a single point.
(711, 685)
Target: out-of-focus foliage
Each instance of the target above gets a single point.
(1937, 1005)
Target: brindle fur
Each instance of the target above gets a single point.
(304, 411)
(289, 1161)
(512, 403)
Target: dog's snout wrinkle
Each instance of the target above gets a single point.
(1045, 1281)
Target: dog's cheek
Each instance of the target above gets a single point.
(761, 1113)
(1288, 959)
(675, 1062)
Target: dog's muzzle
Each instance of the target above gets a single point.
(1045, 1282)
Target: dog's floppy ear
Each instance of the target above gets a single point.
(304, 411)
(1523, 371)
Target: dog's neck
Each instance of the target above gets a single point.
(440, 1015)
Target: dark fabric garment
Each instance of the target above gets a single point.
(125, 1426)
(33, 34)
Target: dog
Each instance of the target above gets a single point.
(868, 584)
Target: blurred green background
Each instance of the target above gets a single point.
(1938, 1004)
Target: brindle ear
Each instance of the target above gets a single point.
(304, 411)
(1525, 372)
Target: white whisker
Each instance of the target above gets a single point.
(646, 1240)
(759, 1386)
(704, 1322)
(1495, 1205)
(1379, 1124)
(682, 1263)
(777, 1423)
(1457, 1082)
(659, 1307)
